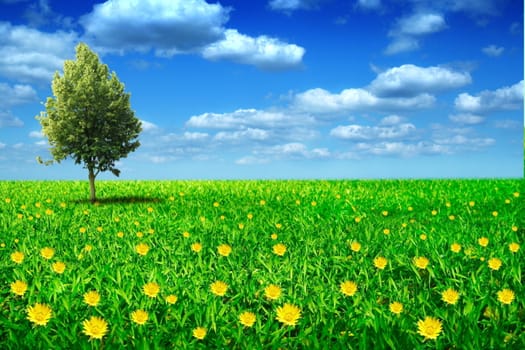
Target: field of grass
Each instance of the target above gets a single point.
(303, 265)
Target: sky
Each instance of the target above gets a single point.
(275, 89)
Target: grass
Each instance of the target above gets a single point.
(332, 232)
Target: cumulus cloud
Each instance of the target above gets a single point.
(493, 50)
(263, 52)
(291, 5)
(242, 135)
(401, 149)
(7, 119)
(402, 44)
(505, 98)
(466, 119)
(410, 80)
(16, 95)
(369, 4)
(391, 120)
(148, 126)
(293, 150)
(36, 134)
(359, 132)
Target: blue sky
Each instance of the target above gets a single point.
(280, 88)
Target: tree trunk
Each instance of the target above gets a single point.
(92, 192)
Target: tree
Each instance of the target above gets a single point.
(89, 118)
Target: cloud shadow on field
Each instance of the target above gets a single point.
(119, 200)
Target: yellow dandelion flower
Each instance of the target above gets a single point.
(120, 234)
(483, 241)
(216, 204)
(396, 307)
(151, 289)
(494, 263)
(140, 234)
(452, 217)
(59, 267)
(219, 288)
(49, 212)
(241, 226)
(92, 298)
(100, 229)
(151, 231)
(447, 204)
(202, 219)
(186, 234)
(288, 314)
(430, 327)
(386, 231)
(514, 247)
(142, 249)
(249, 216)
(410, 208)
(150, 210)
(274, 236)
(272, 292)
(357, 219)
(38, 204)
(199, 333)
(514, 228)
(171, 299)
(8, 200)
(278, 226)
(136, 223)
(423, 237)
(348, 288)
(196, 247)
(516, 194)
(421, 262)
(494, 213)
(384, 212)
(39, 314)
(314, 203)
(82, 230)
(297, 202)
(262, 202)
(88, 248)
(17, 257)
(18, 287)
(47, 253)
(505, 296)
(62, 205)
(247, 318)
(117, 219)
(380, 262)
(434, 212)
(19, 216)
(355, 246)
(279, 249)
(224, 249)
(450, 296)
(455, 247)
(139, 316)
(95, 328)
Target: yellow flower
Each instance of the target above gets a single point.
(450, 296)
(471, 203)
(288, 314)
(142, 248)
(219, 288)
(297, 202)
(262, 202)
(278, 226)
(434, 212)
(423, 237)
(17, 257)
(99, 229)
(216, 204)
(386, 231)
(451, 217)
(151, 231)
(224, 249)
(272, 292)
(514, 247)
(88, 248)
(494, 213)
(49, 212)
(241, 226)
(59, 267)
(39, 314)
(355, 246)
(171, 299)
(196, 247)
(430, 327)
(8, 200)
(18, 287)
(150, 210)
(47, 253)
(92, 298)
(396, 307)
(421, 262)
(314, 203)
(380, 262)
(247, 318)
(249, 216)
(95, 327)
(357, 219)
(151, 289)
(279, 249)
(506, 296)
(139, 316)
(483, 241)
(186, 234)
(384, 212)
(140, 234)
(514, 228)
(120, 234)
(199, 333)
(516, 194)
(455, 247)
(348, 288)
(494, 263)
(273, 236)
(82, 230)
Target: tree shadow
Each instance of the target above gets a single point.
(119, 200)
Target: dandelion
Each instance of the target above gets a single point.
(357, 219)
(297, 202)
(314, 203)
(262, 202)
(247, 318)
(495, 213)
(450, 296)
(514, 228)
(151, 289)
(410, 208)
(140, 234)
(224, 249)
(455, 247)
(100, 229)
(380, 262)
(386, 231)
(47, 253)
(430, 327)
(216, 204)
(274, 236)
(92, 298)
(142, 249)
(139, 316)
(483, 241)
(471, 203)
(186, 234)
(514, 247)
(384, 212)
(423, 237)
(355, 246)
(171, 299)
(59, 267)
(49, 212)
(396, 307)
(348, 288)
(196, 247)
(17, 257)
(505, 296)
(82, 230)
(120, 234)
(18, 287)
(451, 217)
(434, 212)
(219, 288)
(95, 327)
(150, 210)
(151, 231)
(279, 249)
(421, 262)
(272, 292)
(241, 226)
(249, 216)
(494, 264)
(516, 194)
(39, 314)
(288, 314)
(199, 333)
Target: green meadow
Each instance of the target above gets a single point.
(401, 264)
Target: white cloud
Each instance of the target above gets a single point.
(293, 150)
(391, 120)
(465, 141)
(148, 126)
(411, 80)
(369, 4)
(493, 50)
(263, 52)
(16, 95)
(402, 44)
(466, 119)
(291, 5)
(508, 124)
(242, 135)
(28, 55)
(248, 160)
(195, 136)
(36, 134)
(358, 132)
(505, 98)
(7, 119)
(402, 149)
